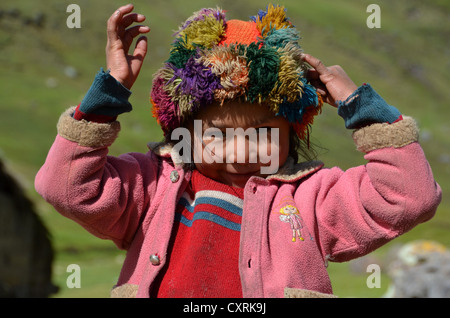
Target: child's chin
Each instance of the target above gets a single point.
(238, 180)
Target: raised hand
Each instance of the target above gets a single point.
(125, 67)
(331, 82)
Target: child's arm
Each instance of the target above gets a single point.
(107, 195)
(108, 96)
(364, 207)
(358, 106)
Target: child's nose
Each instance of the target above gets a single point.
(241, 150)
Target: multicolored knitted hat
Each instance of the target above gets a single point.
(214, 60)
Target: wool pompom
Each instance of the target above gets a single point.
(183, 102)
(197, 82)
(180, 54)
(261, 14)
(289, 86)
(164, 109)
(302, 127)
(216, 13)
(280, 37)
(228, 63)
(295, 111)
(204, 29)
(263, 66)
(274, 18)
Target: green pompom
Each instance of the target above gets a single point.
(179, 54)
(263, 66)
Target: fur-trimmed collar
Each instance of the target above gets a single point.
(289, 172)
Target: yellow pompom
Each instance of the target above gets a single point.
(207, 33)
(274, 19)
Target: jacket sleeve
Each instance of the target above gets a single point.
(105, 100)
(106, 195)
(361, 209)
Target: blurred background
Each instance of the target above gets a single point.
(46, 67)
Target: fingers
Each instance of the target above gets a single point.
(313, 78)
(125, 67)
(120, 20)
(135, 61)
(140, 51)
(113, 22)
(127, 21)
(331, 82)
(133, 32)
(131, 18)
(319, 75)
(315, 63)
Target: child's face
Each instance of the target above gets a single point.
(239, 140)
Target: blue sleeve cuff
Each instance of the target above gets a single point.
(106, 96)
(365, 107)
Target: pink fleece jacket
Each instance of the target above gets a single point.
(131, 200)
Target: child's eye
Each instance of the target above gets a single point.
(213, 133)
(266, 130)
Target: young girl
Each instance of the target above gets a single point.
(206, 224)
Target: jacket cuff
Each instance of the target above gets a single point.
(106, 98)
(85, 133)
(383, 135)
(365, 107)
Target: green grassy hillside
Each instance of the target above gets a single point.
(47, 67)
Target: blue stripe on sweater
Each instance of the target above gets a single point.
(213, 201)
(209, 217)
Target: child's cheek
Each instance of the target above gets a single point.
(269, 150)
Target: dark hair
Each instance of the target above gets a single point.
(300, 149)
